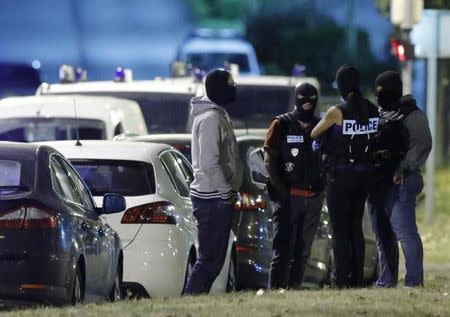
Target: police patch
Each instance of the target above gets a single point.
(351, 127)
(289, 167)
(294, 139)
(294, 152)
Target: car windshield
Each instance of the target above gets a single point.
(50, 129)
(163, 112)
(256, 106)
(16, 176)
(127, 178)
(208, 61)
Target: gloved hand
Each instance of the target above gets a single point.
(316, 145)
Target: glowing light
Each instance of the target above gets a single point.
(36, 64)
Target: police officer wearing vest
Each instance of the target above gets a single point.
(403, 144)
(295, 186)
(348, 132)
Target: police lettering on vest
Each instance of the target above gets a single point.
(294, 138)
(352, 127)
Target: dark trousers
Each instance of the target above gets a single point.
(347, 192)
(214, 217)
(392, 210)
(295, 223)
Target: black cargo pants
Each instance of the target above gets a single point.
(295, 222)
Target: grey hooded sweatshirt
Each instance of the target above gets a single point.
(215, 155)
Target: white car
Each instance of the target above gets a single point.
(158, 229)
(259, 98)
(49, 118)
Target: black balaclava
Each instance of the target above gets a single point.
(303, 94)
(348, 80)
(388, 89)
(220, 87)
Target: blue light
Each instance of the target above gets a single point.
(36, 64)
(120, 74)
(198, 74)
(80, 74)
(298, 70)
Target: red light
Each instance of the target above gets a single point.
(159, 212)
(398, 49)
(248, 202)
(245, 249)
(28, 217)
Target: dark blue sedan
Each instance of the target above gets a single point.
(54, 246)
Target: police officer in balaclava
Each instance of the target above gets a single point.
(296, 187)
(217, 177)
(348, 130)
(402, 146)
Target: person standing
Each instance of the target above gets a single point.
(217, 177)
(348, 131)
(296, 184)
(403, 145)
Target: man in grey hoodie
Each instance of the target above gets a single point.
(217, 177)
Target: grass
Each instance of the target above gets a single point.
(436, 237)
(430, 301)
(433, 300)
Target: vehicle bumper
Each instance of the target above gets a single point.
(159, 265)
(16, 295)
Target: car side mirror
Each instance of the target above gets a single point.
(113, 203)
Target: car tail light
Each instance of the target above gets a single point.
(28, 217)
(240, 248)
(249, 202)
(158, 212)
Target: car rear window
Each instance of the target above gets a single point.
(163, 112)
(208, 61)
(127, 178)
(16, 176)
(50, 129)
(256, 106)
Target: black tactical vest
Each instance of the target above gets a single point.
(301, 167)
(390, 147)
(354, 143)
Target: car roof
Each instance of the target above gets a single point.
(108, 150)
(185, 138)
(22, 150)
(208, 45)
(159, 85)
(63, 106)
(268, 80)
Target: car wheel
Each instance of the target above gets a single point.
(116, 290)
(78, 287)
(231, 280)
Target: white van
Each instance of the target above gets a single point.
(207, 49)
(48, 118)
(164, 102)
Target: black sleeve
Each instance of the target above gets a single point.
(272, 157)
(418, 139)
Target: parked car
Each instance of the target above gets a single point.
(252, 222)
(207, 49)
(158, 230)
(258, 98)
(47, 118)
(54, 246)
(156, 98)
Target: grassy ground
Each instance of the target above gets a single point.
(436, 237)
(433, 300)
(430, 301)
